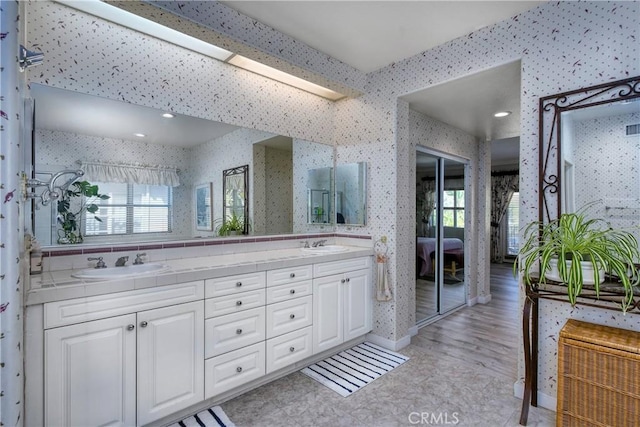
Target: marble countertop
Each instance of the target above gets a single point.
(61, 285)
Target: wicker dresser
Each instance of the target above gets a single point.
(598, 376)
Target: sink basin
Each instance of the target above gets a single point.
(327, 249)
(119, 272)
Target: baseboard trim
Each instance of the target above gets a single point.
(389, 344)
(472, 301)
(413, 331)
(484, 299)
(544, 400)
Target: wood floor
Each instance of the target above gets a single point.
(485, 334)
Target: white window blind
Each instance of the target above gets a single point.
(131, 209)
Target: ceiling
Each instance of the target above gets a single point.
(369, 35)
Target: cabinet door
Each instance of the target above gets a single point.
(170, 360)
(90, 373)
(327, 312)
(357, 304)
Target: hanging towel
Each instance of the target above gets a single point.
(383, 293)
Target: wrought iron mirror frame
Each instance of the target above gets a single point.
(551, 109)
(240, 170)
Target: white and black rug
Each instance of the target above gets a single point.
(352, 369)
(212, 417)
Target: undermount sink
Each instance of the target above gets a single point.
(327, 249)
(119, 272)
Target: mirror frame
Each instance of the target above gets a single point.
(244, 171)
(550, 143)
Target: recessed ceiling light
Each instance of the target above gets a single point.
(140, 135)
(168, 116)
(502, 114)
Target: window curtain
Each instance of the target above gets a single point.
(130, 173)
(502, 189)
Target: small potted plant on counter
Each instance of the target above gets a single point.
(575, 251)
(232, 226)
(77, 200)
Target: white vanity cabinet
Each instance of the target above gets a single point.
(341, 302)
(129, 369)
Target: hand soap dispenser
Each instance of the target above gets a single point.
(35, 261)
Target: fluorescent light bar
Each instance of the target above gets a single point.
(143, 25)
(502, 114)
(281, 76)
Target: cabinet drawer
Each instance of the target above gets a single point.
(289, 275)
(78, 310)
(288, 316)
(233, 369)
(233, 303)
(230, 332)
(339, 267)
(288, 292)
(233, 284)
(290, 348)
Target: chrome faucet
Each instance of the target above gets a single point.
(305, 244)
(122, 261)
(318, 243)
(100, 263)
(138, 259)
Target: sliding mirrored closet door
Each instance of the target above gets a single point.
(440, 237)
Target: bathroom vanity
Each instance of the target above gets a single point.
(160, 346)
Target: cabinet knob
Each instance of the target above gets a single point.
(292, 291)
(292, 349)
(238, 302)
(342, 281)
(238, 331)
(292, 275)
(144, 323)
(348, 279)
(130, 327)
(239, 369)
(292, 316)
(238, 284)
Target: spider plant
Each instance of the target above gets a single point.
(573, 240)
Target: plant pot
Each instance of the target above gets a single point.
(587, 272)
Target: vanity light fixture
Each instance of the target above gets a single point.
(135, 22)
(139, 135)
(502, 114)
(168, 115)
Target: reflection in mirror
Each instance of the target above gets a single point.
(351, 193)
(319, 185)
(601, 162)
(72, 127)
(235, 206)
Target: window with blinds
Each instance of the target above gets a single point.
(131, 209)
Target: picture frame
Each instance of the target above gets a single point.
(203, 201)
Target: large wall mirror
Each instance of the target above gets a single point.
(590, 153)
(72, 130)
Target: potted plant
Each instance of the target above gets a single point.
(576, 250)
(231, 226)
(70, 210)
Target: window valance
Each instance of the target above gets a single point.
(130, 173)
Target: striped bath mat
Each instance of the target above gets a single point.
(352, 369)
(212, 417)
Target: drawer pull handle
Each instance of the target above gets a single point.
(292, 316)
(348, 279)
(342, 281)
(239, 369)
(238, 302)
(144, 323)
(238, 284)
(130, 328)
(292, 275)
(292, 349)
(238, 331)
(292, 291)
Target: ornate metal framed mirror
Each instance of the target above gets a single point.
(591, 111)
(235, 187)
